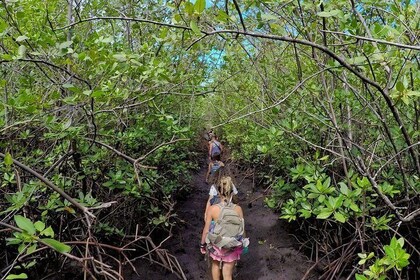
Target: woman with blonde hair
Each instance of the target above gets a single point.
(223, 259)
(214, 197)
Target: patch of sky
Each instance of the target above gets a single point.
(213, 60)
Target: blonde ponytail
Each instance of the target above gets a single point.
(226, 186)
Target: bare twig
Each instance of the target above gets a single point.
(379, 41)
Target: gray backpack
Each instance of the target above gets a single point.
(215, 148)
(228, 230)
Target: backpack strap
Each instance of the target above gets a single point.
(215, 143)
(218, 146)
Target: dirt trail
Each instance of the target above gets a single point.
(271, 252)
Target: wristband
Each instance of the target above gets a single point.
(202, 245)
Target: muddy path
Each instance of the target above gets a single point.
(272, 253)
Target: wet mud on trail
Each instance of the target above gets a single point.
(272, 254)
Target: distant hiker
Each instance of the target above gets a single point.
(215, 148)
(224, 241)
(214, 197)
(213, 169)
(208, 135)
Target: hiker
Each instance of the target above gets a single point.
(214, 166)
(214, 196)
(210, 135)
(215, 147)
(223, 242)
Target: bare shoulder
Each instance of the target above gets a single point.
(238, 210)
(214, 210)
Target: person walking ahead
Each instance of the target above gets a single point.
(224, 242)
(214, 168)
(215, 147)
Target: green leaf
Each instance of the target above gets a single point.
(67, 124)
(339, 217)
(68, 86)
(195, 28)
(361, 277)
(413, 93)
(401, 242)
(222, 16)
(357, 60)
(268, 17)
(200, 6)
(177, 18)
(331, 13)
(31, 249)
(21, 248)
(109, 39)
(324, 215)
(189, 8)
(354, 207)
(17, 276)
(57, 245)
(313, 195)
(65, 45)
(13, 241)
(362, 261)
(120, 57)
(8, 159)
(324, 158)
(21, 51)
(390, 252)
(362, 255)
(400, 86)
(327, 183)
(21, 38)
(48, 232)
(25, 224)
(344, 189)
(39, 226)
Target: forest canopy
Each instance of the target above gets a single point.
(103, 104)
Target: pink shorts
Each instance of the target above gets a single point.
(226, 255)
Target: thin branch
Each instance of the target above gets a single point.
(276, 103)
(379, 41)
(122, 107)
(121, 154)
(240, 14)
(36, 61)
(394, 156)
(125, 19)
(409, 217)
(159, 146)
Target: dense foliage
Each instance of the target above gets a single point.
(101, 102)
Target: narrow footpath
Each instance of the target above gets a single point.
(271, 252)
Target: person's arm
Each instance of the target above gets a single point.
(207, 207)
(209, 146)
(208, 171)
(205, 231)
